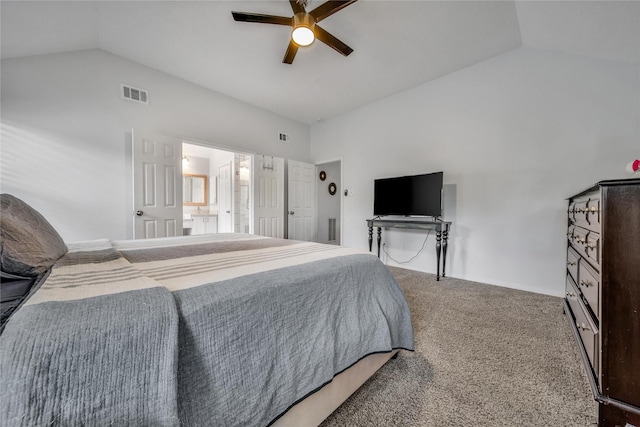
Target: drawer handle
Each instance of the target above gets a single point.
(582, 326)
(585, 283)
(571, 294)
(570, 263)
(591, 245)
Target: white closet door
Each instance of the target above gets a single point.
(268, 196)
(301, 204)
(157, 186)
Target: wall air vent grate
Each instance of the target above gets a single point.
(332, 230)
(134, 94)
(283, 137)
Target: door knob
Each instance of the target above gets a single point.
(139, 213)
(291, 212)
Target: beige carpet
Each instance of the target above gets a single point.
(485, 356)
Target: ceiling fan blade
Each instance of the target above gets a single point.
(297, 7)
(331, 41)
(262, 19)
(329, 8)
(291, 53)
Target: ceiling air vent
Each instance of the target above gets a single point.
(134, 94)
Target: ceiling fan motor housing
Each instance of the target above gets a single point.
(303, 25)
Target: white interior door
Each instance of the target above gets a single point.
(225, 200)
(268, 196)
(157, 186)
(301, 203)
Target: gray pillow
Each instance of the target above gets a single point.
(29, 244)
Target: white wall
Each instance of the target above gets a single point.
(197, 165)
(514, 135)
(66, 134)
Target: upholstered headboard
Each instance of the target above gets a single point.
(29, 247)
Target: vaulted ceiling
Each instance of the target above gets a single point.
(397, 44)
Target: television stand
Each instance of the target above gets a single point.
(441, 228)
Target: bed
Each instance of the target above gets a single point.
(221, 329)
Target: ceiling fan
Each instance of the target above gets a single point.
(304, 25)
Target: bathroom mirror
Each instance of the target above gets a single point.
(194, 190)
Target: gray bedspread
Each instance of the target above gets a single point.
(104, 360)
(137, 333)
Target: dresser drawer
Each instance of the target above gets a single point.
(572, 263)
(586, 243)
(589, 285)
(571, 290)
(592, 248)
(586, 329)
(586, 213)
(576, 235)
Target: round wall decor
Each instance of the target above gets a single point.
(332, 188)
(323, 175)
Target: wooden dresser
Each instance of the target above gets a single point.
(603, 294)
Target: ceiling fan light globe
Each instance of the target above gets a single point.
(303, 36)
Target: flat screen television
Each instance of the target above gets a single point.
(416, 195)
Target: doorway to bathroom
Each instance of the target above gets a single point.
(216, 190)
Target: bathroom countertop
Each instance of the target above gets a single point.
(201, 213)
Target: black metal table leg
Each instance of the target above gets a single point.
(379, 240)
(438, 250)
(445, 238)
(370, 237)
